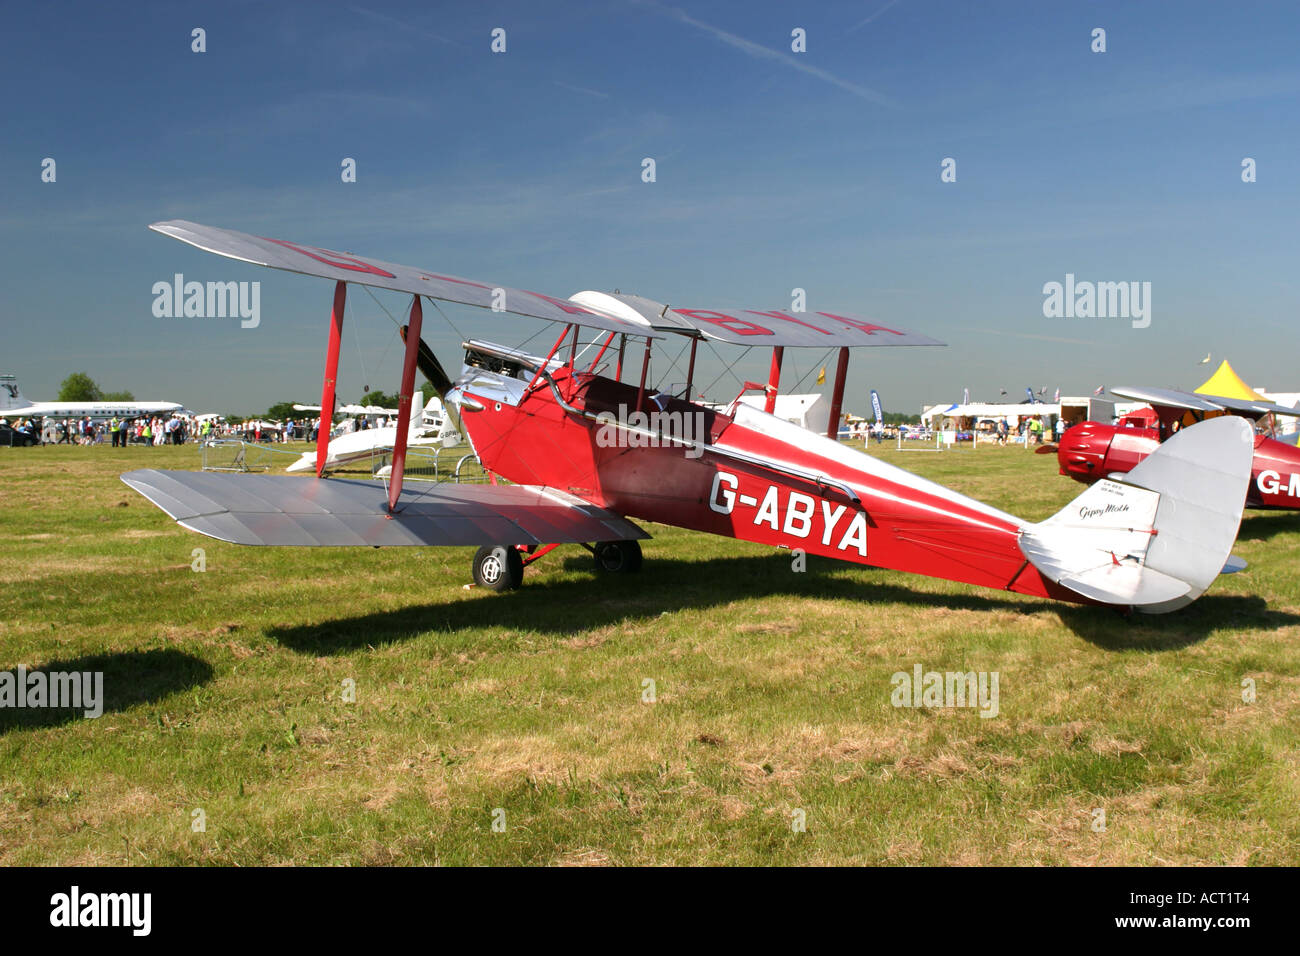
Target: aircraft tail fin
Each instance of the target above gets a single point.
(1157, 538)
(11, 396)
(448, 430)
(417, 416)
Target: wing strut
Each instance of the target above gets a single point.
(774, 379)
(645, 368)
(690, 369)
(837, 397)
(331, 376)
(431, 368)
(546, 362)
(404, 402)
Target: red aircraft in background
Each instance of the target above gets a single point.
(1091, 450)
(587, 448)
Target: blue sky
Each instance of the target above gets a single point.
(775, 170)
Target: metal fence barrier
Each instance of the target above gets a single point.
(234, 454)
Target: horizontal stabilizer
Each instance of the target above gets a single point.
(312, 512)
(1158, 538)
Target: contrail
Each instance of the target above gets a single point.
(758, 51)
(863, 23)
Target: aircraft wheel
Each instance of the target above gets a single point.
(618, 557)
(498, 567)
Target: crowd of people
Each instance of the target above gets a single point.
(256, 430)
(119, 432)
(1031, 431)
(172, 430)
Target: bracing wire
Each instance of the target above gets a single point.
(673, 365)
(361, 359)
(726, 368)
(397, 327)
(382, 306)
(816, 365)
(464, 338)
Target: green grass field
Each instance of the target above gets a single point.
(225, 693)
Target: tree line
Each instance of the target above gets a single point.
(80, 387)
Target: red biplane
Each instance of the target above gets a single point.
(1091, 450)
(587, 447)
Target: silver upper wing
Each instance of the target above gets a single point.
(1197, 402)
(613, 312)
(346, 267)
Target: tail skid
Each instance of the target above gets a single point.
(1156, 539)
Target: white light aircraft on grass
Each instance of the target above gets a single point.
(349, 409)
(432, 410)
(433, 427)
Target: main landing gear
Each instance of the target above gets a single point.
(617, 557)
(500, 567)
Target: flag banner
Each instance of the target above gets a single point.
(875, 406)
(1029, 390)
(965, 396)
(821, 376)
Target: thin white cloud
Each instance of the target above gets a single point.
(1026, 335)
(581, 89)
(760, 52)
(862, 23)
(402, 25)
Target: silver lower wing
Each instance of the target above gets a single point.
(341, 512)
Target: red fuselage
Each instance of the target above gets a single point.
(1090, 450)
(754, 477)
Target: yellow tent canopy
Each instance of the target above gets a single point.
(1228, 383)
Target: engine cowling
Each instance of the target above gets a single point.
(1091, 450)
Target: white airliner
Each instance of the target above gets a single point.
(14, 405)
(350, 409)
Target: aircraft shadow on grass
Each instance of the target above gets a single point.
(668, 586)
(1263, 526)
(130, 678)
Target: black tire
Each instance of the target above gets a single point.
(618, 557)
(498, 567)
